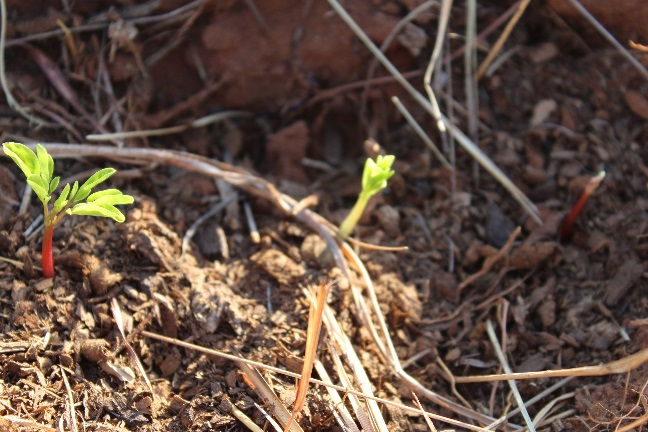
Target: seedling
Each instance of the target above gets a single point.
(374, 179)
(567, 226)
(38, 168)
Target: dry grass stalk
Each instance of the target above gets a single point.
(258, 384)
(428, 420)
(312, 339)
(117, 315)
(28, 423)
(198, 123)
(344, 416)
(620, 366)
(495, 50)
(421, 133)
(502, 359)
(71, 411)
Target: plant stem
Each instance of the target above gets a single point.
(349, 223)
(47, 260)
(568, 223)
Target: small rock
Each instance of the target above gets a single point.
(314, 249)
(498, 226)
(389, 219)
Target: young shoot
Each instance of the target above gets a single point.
(374, 179)
(75, 200)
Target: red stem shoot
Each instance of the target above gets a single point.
(47, 260)
(568, 224)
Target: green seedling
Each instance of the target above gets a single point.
(374, 179)
(38, 168)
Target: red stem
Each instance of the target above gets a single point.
(568, 223)
(47, 259)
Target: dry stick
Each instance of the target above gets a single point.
(217, 208)
(343, 344)
(465, 142)
(201, 122)
(243, 418)
(28, 423)
(623, 365)
(549, 408)
(427, 419)
(470, 85)
(316, 311)
(392, 357)
(606, 34)
(358, 408)
(421, 133)
(72, 412)
(507, 369)
(388, 41)
(490, 261)
(345, 419)
(453, 386)
(259, 384)
(252, 226)
(641, 421)
(502, 39)
(446, 6)
(531, 401)
(117, 316)
(502, 311)
(268, 417)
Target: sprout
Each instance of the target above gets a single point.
(374, 179)
(38, 169)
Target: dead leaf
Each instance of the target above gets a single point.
(530, 255)
(542, 110)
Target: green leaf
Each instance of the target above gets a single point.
(39, 186)
(45, 162)
(54, 184)
(105, 210)
(96, 178)
(23, 156)
(110, 196)
(75, 188)
(62, 200)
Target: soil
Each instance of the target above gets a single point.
(562, 107)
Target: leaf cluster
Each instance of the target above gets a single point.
(39, 168)
(376, 173)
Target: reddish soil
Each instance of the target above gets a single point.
(564, 106)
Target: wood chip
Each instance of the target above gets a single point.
(617, 287)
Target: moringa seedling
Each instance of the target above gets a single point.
(567, 226)
(374, 179)
(38, 168)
